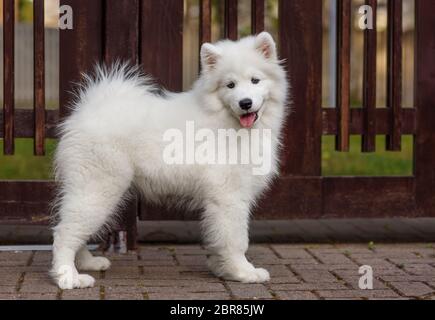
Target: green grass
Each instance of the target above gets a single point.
(25, 166)
(355, 163)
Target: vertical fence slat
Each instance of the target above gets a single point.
(343, 73)
(257, 20)
(394, 73)
(121, 43)
(300, 38)
(204, 22)
(231, 23)
(39, 77)
(121, 31)
(8, 74)
(161, 53)
(425, 107)
(161, 49)
(80, 48)
(369, 83)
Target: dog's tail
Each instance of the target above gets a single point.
(117, 78)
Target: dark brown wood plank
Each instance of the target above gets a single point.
(161, 47)
(204, 22)
(29, 213)
(8, 75)
(425, 105)
(24, 118)
(369, 197)
(326, 197)
(24, 122)
(121, 31)
(231, 20)
(300, 38)
(26, 191)
(121, 34)
(356, 126)
(343, 73)
(291, 197)
(369, 83)
(39, 77)
(26, 202)
(161, 54)
(394, 73)
(80, 48)
(257, 20)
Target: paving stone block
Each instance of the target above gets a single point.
(82, 294)
(357, 294)
(189, 296)
(412, 289)
(308, 286)
(296, 295)
(249, 291)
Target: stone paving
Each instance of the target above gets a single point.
(299, 271)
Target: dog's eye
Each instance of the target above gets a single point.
(255, 81)
(231, 85)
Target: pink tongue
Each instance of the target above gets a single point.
(247, 120)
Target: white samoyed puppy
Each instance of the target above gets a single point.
(116, 137)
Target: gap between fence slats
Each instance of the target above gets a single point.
(8, 76)
(369, 83)
(394, 73)
(231, 23)
(257, 10)
(343, 73)
(39, 77)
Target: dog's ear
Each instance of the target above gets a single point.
(210, 55)
(266, 45)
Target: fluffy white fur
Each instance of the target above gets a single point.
(113, 139)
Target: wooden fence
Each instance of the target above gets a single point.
(150, 32)
(24, 66)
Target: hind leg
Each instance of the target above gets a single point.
(86, 261)
(83, 212)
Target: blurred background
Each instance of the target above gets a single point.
(23, 165)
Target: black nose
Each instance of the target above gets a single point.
(245, 104)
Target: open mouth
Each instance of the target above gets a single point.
(247, 120)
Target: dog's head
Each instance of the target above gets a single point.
(244, 76)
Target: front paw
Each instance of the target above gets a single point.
(256, 275)
(243, 272)
(67, 278)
